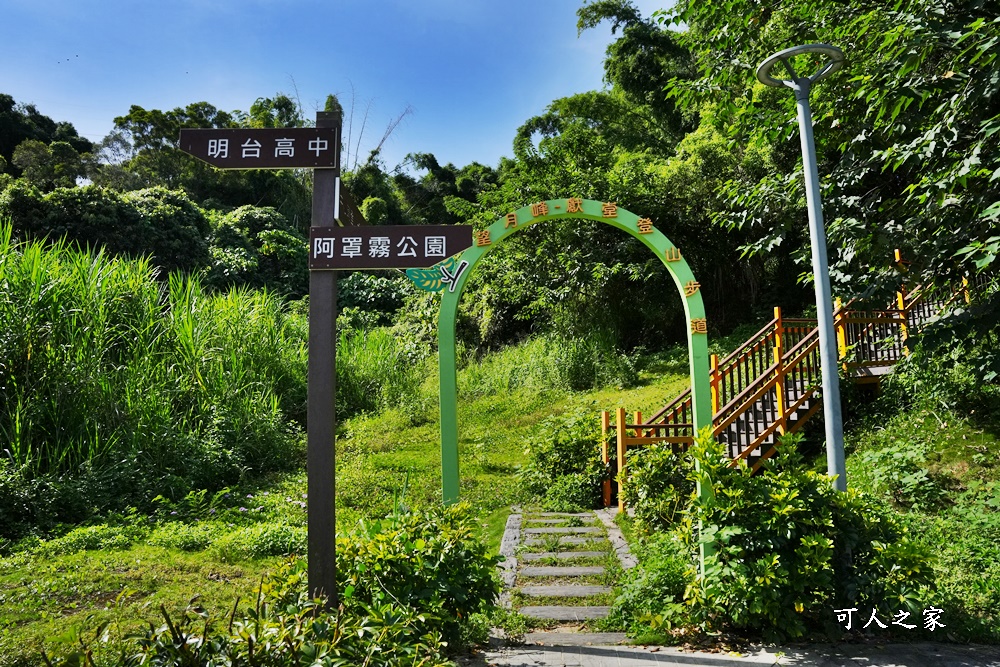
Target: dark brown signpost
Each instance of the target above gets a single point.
(385, 246)
(331, 248)
(305, 148)
(321, 391)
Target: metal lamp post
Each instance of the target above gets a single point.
(801, 85)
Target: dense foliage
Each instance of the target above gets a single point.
(428, 563)
(784, 548)
(565, 466)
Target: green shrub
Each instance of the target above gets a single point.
(564, 463)
(591, 361)
(652, 594)
(657, 488)
(900, 472)
(430, 563)
(89, 538)
(373, 372)
(254, 246)
(788, 548)
(261, 541)
(115, 388)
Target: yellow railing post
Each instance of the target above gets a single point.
(965, 290)
(904, 322)
(779, 353)
(621, 456)
(606, 484)
(900, 262)
(714, 383)
(638, 420)
(841, 329)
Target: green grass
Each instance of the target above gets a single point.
(49, 596)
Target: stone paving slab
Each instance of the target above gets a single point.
(566, 514)
(563, 555)
(568, 591)
(563, 529)
(534, 520)
(533, 541)
(561, 613)
(625, 557)
(575, 638)
(556, 571)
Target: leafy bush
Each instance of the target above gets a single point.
(652, 594)
(900, 471)
(162, 224)
(429, 563)
(378, 295)
(788, 548)
(591, 361)
(255, 246)
(88, 538)
(565, 462)
(573, 492)
(657, 488)
(260, 541)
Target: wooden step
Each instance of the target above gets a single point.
(575, 638)
(534, 541)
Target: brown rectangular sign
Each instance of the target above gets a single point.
(265, 148)
(385, 246)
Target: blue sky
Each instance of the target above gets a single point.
(471, 70)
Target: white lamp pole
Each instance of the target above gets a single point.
(824, 304)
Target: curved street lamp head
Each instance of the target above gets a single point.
(836, 61)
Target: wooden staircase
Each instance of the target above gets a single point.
(770, 385)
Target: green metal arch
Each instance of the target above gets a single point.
(559, 209)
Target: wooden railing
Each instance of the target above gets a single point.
(767, 387)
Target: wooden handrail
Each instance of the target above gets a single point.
(767, 416)
(672, 405)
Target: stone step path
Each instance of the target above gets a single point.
(547, 535)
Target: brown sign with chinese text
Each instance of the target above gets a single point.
(265, 148)
(385, 246)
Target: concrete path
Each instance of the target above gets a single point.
(840, 655)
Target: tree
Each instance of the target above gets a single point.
(49, 167)
(642, 62)
(280, 111)
(906, 132)
(147, 142)
(19, 122)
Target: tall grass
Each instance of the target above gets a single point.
(550, 362)
(115, 387)
(374, 372)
